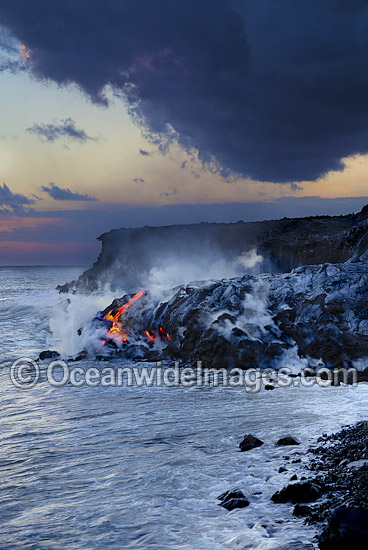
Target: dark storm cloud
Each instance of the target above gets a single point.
(13, 203)
(59, 194)
(64, 129)
(272, 90)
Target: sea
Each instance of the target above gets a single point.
(142, 467)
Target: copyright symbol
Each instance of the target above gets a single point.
(24, 373)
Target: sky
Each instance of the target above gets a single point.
(125, 114)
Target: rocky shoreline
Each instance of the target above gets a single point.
(331, 493)
(340, 467)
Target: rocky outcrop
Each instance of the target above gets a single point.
(342, 514)
(128, 255)
(250, 442)
(232, 499)
(297, 493)
(316, 314)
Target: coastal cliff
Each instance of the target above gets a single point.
(128, 255)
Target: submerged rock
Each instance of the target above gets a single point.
(231, 493)
(250, 442)
(234, 503)
(295, 546)
(288, 441)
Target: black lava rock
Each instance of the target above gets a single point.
(48, 354)
(287, 441)
(234, 498)
(296, 546)
(301, 510)
(233, 503)
(250, 442)
(231, 493)
(347, 528)
(296, 493)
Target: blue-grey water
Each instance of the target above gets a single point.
(128, 467)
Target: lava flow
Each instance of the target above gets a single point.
(158, 334)
(114, 315)
(116, 329)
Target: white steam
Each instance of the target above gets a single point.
(74, 313)
(175, 272)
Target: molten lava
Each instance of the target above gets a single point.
(116, 329)
(114, 314)
(157, 334)
(150, 336)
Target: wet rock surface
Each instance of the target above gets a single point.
(298, 493)
(347, 528)
(48, 354)
(295, 546)
(288, 440)
(250, 442)
(342, 513)
(232, 499)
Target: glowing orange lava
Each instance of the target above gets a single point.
(116, 329)
(150, 336)
(114, 314)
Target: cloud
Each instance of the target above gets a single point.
(138, 180)
(13, 203)
(276, 91)
(64, 129)
(15, 223)
(171, 191)
(144, 153)
(295, 187)
(59, 194)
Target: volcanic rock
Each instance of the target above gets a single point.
(233, 503)
(301, 510)
(48, 354)
(347, 528)
(231, 493)
(234, 498)
(250, 442)
(297, 493)
(295, 546)
(287, 441)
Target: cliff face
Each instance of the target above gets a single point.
(128, 255)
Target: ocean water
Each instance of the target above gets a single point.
(131, 467)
